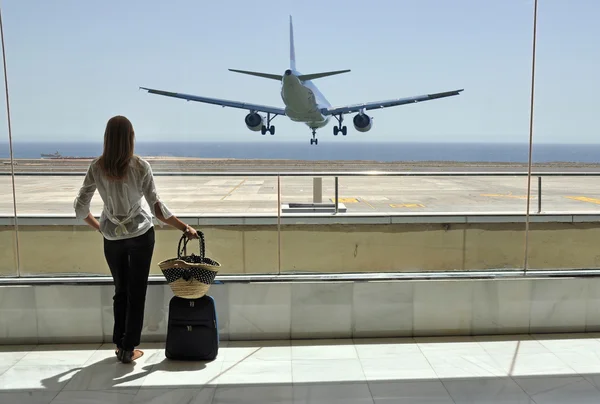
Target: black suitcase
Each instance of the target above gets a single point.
(193, 330)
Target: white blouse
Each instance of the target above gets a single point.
(128, 203)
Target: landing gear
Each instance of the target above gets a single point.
(268, 128)
(340, 128)
(336, 130)
(314, 140)
(264, 130)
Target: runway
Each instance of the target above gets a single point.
(173, 164)
(247, 194)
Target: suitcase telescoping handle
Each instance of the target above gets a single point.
(183, 251)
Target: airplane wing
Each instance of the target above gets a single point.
(386, 104)
(216, 101)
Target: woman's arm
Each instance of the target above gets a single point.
(83, 199)
(174, 221)
(92, 222)
(159, 209)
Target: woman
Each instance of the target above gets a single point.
(123, 181)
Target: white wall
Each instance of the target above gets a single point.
(333, 309)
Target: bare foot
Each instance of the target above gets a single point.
(130, 356)
(137, 354)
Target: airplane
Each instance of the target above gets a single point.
(303, 101)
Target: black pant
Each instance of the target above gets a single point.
(129, 261)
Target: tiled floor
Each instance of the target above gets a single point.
(539, 369)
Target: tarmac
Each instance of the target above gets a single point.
(176, 164)
(248, 194)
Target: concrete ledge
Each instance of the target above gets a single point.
(329, 218)
(317, 277)
(337, 309)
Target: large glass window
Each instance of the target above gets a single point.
(566, 138)
(8, 233)
(460, 202)
(8, 228)
(447, 185)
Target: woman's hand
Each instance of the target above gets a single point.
(92, 222)
(191, 233)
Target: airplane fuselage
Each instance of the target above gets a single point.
(303, 101)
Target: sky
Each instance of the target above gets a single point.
(73, 64)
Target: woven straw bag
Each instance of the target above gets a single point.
(190, 276)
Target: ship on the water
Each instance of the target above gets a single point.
(57, 155)
(51, 156)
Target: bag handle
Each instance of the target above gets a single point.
(185, 240)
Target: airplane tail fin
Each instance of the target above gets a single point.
(292, 46)
(305, 77)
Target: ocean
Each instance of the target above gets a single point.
(336, 149)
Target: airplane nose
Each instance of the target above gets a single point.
(288, 72)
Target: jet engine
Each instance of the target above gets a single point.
(362, 122)
(254, 121)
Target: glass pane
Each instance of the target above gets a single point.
(66, 82)
(564, 235)
(434, 222)
(54, 243)
(65, 116)
(382, 232)
(8, 250)
(8, 236)
(69, 250)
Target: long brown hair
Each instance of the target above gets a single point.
(119, 140)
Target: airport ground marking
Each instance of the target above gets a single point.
(345, 200)
(509, 195)
(406, 205)
(234, 188)
(366, 202)
(584, 199)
